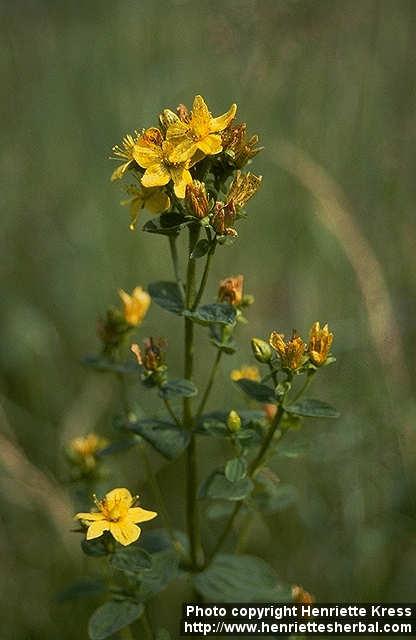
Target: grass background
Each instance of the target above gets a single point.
(329, 87)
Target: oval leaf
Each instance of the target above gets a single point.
(310, 408)
(178, 388)
(217, 313)
(111, 617)
(132, 559)
(236, 469)
(256, 390)
(240, 578)
(167, 295)
(168, 224)
(218, 487)
(165, 437)
(201, 249)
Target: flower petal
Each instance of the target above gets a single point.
(210, 145)
(146, 155)
(96, 529)
(120, 171)
(222, 122)
(181, 177)
(177, 130)
(156, 175)
(90, 517)
(183, 151)
(157, 202)
(124, 531)
(137, 514)
(200, 117)
(119, 497)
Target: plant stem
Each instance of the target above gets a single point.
(175, 262)
(172, 413)
(204, 276)
(306, 384)
(192, 476)
(147, 627)
(209, 385)
(253, 468)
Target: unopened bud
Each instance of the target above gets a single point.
(233, 422)
(261, 350)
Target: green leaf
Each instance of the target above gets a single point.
(236, 469)
(167, 295)
(178, 389)
(216, 313)
(240, 578)
(168, 224)
(95, 548)
(111, 617)
(82, 588)
(201, 248)
(310, 408)
(256, 390)
(100, 363)
(132, 559)
(165, 437)
(164, 569)
(218, 487)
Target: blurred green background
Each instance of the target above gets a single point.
(329, 87)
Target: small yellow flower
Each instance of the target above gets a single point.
(154, 154)
(124, 152)
(320, 341)
(199, 131)
(135, 304)
(154, 200)
(291, 352)
(243, 187)
(197, 199)
(246, 371)
(231, 290)
(83, 449)
(117, 515)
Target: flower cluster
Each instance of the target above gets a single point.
(295, 354)
(183, 163)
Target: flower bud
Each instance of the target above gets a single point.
(233, 422)
(231, 290)
(261, 350)
(196, 199)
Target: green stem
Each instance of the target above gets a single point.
(210, 382)
(172, 413)
(306, 384)
(204, 276)
(147, 627)
(175, 262)
(253, 468)
(187, 418)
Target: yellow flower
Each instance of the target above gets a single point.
(199, 131)
(154, 200)
(231, 290)
(243, 187)
(246, 371)
(154, 154)
(117, 515)
(125, 153)
(83, 449)
(320, 341)
(291, 352)
(300, 596)
(135, 305)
